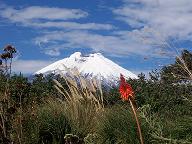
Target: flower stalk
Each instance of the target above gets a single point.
(126, 94)
(137, 121)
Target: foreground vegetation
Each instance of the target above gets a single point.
(58, 109)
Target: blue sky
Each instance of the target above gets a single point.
(139, 35)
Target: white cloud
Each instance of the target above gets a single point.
(29, 66)
(124, 44)
(38, 13)
(171, 18)
(52, 52)
(50, 17)
(73, 25)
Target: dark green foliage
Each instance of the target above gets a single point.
(112, 97)
(48, 125)
(19, 89)
(41, 87)
(118, 126)
(179, 128)
(164, 97)
(18, 98)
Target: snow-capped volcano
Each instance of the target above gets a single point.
(93, 65)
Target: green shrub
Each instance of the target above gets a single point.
(49, 125)
(118, 126)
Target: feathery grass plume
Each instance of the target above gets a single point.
(83, 83)
(71, 81)
(83, 105)
(75, 72)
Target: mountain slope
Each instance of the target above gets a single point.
(94, 65)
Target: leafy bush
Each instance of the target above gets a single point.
(117, 125)
(49, 125)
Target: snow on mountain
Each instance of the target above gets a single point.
(94, 65)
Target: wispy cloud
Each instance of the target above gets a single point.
(73, 25)
(124, 44)
(171, 18)
(37, 13)
(50, 17)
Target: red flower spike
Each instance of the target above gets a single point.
(125, 89)
(126, 92)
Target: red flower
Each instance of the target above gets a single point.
(126, 92)
(125, 89)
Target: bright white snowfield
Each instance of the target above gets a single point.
(93, 65)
